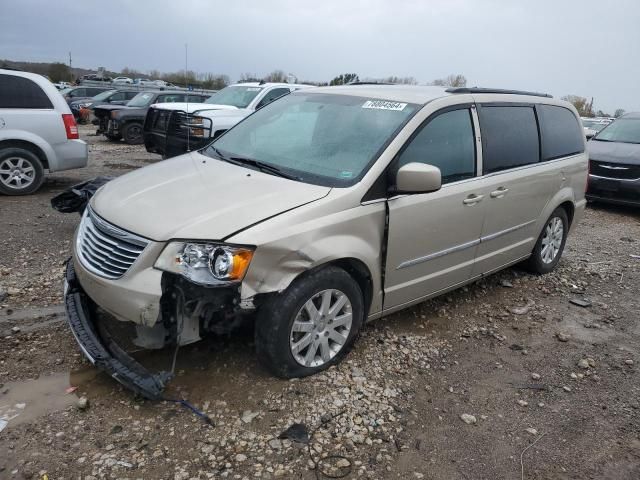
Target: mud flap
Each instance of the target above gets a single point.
(101, 349)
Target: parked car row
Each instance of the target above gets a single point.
(594, 125)
(125, 121)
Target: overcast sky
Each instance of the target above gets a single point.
(582, 47)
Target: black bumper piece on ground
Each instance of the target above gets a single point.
(100, 348)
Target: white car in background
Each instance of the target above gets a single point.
(37, 133)
(122, 80)
(174, 128)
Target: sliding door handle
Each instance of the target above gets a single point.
(473, 199)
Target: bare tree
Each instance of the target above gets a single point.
(213, 81)
(248, 77)
(619, 112)
(59, 71)
(277, 76)
(345, 78)
(399, 80)
(453, 80)
(581, 103)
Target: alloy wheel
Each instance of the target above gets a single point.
(552, 240)
(17, 173)
(321, 328)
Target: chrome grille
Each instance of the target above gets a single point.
(105, 249)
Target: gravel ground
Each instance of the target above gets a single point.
(505, 378)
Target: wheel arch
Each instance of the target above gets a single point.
(27, 145)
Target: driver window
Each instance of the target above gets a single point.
(447, 142)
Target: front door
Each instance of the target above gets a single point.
(433, 237)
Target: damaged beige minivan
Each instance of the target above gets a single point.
(327, 208)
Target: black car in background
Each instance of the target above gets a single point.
(108, 97)
(614, 162)
(82, 93)
(125, 121)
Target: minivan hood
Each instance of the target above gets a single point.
(192, 106)
(197, 197)
(614, 152)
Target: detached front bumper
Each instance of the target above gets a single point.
(98, 346)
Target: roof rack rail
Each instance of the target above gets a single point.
(369, 82)
(495, 90)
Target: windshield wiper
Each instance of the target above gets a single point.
(218, 153)
(263, 167)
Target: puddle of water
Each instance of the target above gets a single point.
(30, 399)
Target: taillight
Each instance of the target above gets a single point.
(70, 126)
(586, 185)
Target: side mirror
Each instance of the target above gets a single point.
(418, 178)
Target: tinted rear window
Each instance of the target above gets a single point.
(561, 133)
(20, 92)
(509, 137)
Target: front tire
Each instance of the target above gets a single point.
(550, 245)
(132, 133)
(312, 325)
(21, 172)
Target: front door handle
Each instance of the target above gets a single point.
(499, 193)
(472, 199)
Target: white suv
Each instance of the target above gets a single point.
(37, 132)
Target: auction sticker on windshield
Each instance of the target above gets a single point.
(384, 105)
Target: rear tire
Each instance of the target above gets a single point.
(21, 171)
(132, 133)
(327, 334)
(550, 245)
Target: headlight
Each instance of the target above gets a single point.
(206, 263)
(197, 126)
(85, 105)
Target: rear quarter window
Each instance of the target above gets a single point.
(509, 137)
(20, 92)
(561, 133)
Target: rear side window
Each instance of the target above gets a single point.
(20, 92)
(446, 142)
(195, 98)
(509, 137)
(560, 132)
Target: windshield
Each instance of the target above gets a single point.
(103, 95)
(236, 96)
(141, 100)
(622, 130)
(64, 91)
(323, 139)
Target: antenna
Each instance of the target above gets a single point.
(186, 84)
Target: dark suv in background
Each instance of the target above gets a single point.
(614, 162)
(80, 93)
(108, 97)
(125, 121)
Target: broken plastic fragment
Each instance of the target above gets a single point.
(297, 432)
